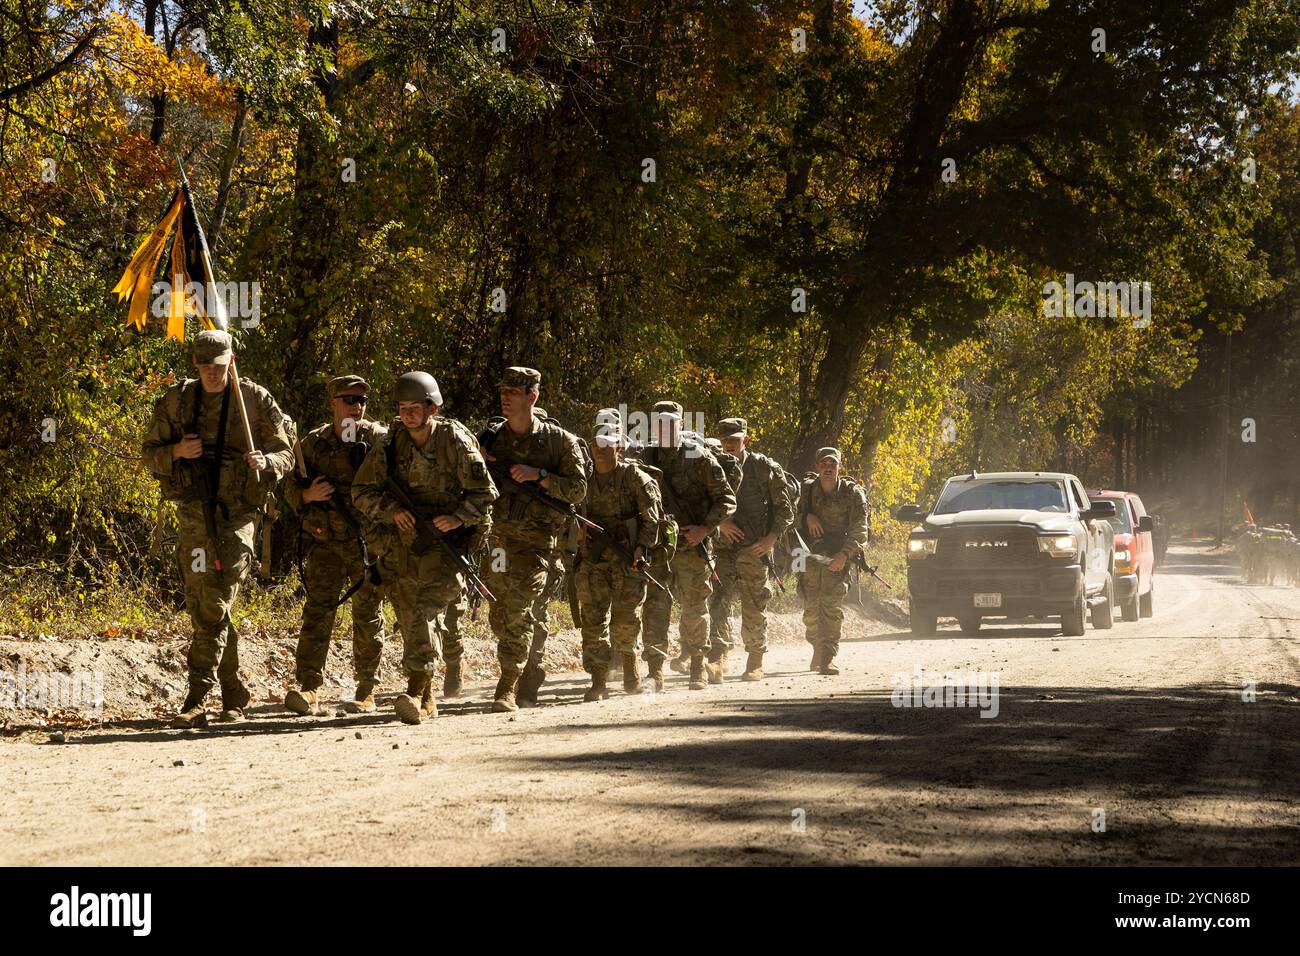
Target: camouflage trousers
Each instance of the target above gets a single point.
(330, 569)
(688, 576)
(453, 648)
(745, 576)
(610, 595)
(420, 586)
(541, 610)
(519, 582)
(823, 592)
(210, 594)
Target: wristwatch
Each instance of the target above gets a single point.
(541, 474)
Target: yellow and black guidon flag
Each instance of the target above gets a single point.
(189, 269)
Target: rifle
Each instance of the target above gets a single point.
(860, 560)
(708, 563)
(771, 569)
(427, 529)
(501, 472)
(207, 473)
(370, 569)
(605, 539)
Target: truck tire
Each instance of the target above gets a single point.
(1129, 609)
(924, 623)
(1103, 614)
(1072, 620)
(970, 623)
(1145, 607)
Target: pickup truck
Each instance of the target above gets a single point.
(1011, 544)
(1135, 553)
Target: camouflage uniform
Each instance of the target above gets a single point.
(525, 529)
(762, 508)
(211, 581)
(446, 477)
(695, 491)
(843, 514)
(626, 503)
(720, 634)
(335, 562)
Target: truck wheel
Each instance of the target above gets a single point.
(924, 623)
(1129, 609)
(1072, 620)
(970, 623)
(1145, 602)
(1103, 614)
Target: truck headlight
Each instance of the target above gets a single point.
(920, 547)
(1059, 546)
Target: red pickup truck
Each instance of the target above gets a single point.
(1135, 556)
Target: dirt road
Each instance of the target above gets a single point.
(1145, 722)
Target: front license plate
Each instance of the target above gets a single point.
(988, 600)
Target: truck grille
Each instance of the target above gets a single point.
(976, 548)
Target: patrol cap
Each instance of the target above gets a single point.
(516, 376)
(345, 382)
(212, 347)
(733, 428)
(667, 408)
(824, 453)
(607, 435)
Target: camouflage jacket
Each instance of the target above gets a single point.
(446, 477)
(762, 506)
(185, 407)
(842, 512)
(328, 456)
(517, 517)
(627, 505)
(693, 484)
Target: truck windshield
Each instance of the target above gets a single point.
(1015, 495)
(1120, 522)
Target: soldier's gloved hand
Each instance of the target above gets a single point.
(255, 460)
(318, 490)
(815, 529)
(763, 546)
(191, 446)
(404, 520)
(837, 563)
(731, 531)
(445, 523)
(694, 534)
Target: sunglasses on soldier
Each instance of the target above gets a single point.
(352, 399)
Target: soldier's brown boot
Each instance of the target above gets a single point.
(302, 702)
(407, 705)
(234, 698)
(451, 682)
(598, 690)
(362, 702)
(428, 703)
(715, 666)
(192, 713)
(504, 700)
(655, 680)
(816, 663)
(828, 664)
(698, 680)
(631, 679)
(753, 667)
(681, 663)
(530, 682)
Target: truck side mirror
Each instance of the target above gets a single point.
(909, 513)
(1145, 523)
(1101, 509)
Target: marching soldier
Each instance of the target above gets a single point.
(330, 457)
(433, 462)
(833, 512)
(196, 448)
(696, 494)
(535, 460)
(763, 513)
(623, 499)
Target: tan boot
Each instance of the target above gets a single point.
(192, 712)
(753, 667)
(530, 682)
(698, 680)
(504, 700)
(234, 699)
(428, 703)
(362, 702)
(407, 705)
(716, 669)
(631, 679)
(451, 682)
(816, 663)
(828, 664)
(681, 664)
(598, 690)
(302, 702)
(655, 681)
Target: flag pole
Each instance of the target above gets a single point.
(218, 320)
